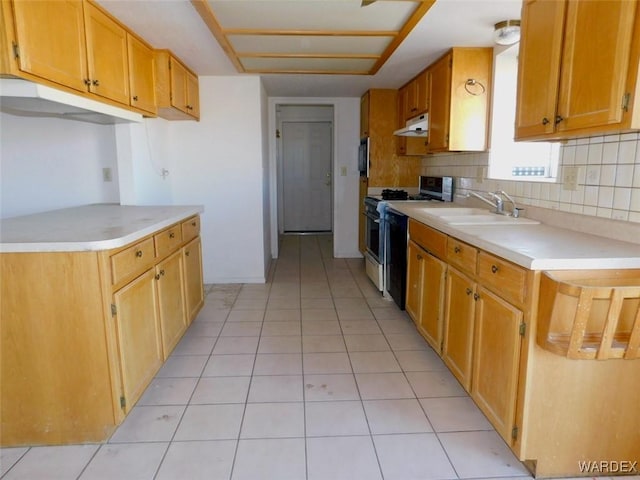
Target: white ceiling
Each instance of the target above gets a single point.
(176, 25)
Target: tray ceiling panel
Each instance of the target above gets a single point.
(310, 36)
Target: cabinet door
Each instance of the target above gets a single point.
(193, 95)
(422, 92)
(141, 71)
(458, 331)
(38, 24)
(138, 334)
(194, 292)
(178, 85)
(401, 142)
(169, 280)
(539, 67)
(496, 360)
(107, 56)
(364, 115)
(415, 259)
(595, 60)
(433, 287)
(440, 95)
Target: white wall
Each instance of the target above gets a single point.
(50, 163)
(346, 127)
(218, 163)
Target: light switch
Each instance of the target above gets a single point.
(343, 171)
(106, 174)
(570, 178)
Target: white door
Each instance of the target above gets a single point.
(307, 178)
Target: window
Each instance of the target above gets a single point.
(527, 161)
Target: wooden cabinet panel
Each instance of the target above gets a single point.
(169, 281)
(107, 57)
(539, 66)
(62, 61)
(413, 304)
(462, 255)
(138, 332)
(132, 261)
(595, 61)
(193, 95)
(428, 238)
(364, 115)
(177, 90)
(433, 294)
(440, 107)
(168, 240)
(141, 71)
(190, 228)
(194, 288)
(457, 347)
(496, 360)
(504, 277)
(417, 96)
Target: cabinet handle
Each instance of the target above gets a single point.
(494, 269)
(172, 235)
(87, 81)
(469, 291)
(559, 118)
(96, 83)
(187, 253)
(456, 249)
(157, 277)
(139, 253)
(545, 121)
(193, 224)
(135, 98)
(162, 272)
(476, 297)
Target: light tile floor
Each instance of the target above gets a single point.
(310, 376)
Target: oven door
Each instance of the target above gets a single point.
(372, 235)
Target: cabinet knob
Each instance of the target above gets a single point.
(456, 249)
(419, 257)
(476, 297)
(96, 83)
(162, 272)
(559, 118)
(135, 98)
(139, 253)
(172, 235)
(545, 121)
(494, 269)
(87, 81)
(193, 224)
(157, 276)
(469, 291)
(187, 253)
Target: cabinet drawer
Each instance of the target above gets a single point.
(190, 228)
(133, 260)
(461, 255)
(428, 238)
(505, 278)
(168, 240)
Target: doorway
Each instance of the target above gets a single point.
(307, 176)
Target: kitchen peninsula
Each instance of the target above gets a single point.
(540, 324)
(94, 299)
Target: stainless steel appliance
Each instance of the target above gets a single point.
(374, 240)
(363, 157)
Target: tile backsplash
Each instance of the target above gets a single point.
(608, 177)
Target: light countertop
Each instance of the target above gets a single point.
(536, 246)
(88, 228)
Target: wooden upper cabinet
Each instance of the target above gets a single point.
(177, 91)
(107, 56)
(440, 104)
(578, 68)
(142, 75)
(417, 95)
(47, 48)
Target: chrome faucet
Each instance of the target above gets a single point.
(515, 211)
(494, 204)
(497, 202)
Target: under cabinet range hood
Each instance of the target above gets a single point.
(415, 127)
(29, 99)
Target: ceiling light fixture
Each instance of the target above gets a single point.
(507, 32)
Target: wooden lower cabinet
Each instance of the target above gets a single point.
(425, 293)
(457, 348)
(496, 360)
(83, 333)
(169, 277)
(138, 335)
(194, 291)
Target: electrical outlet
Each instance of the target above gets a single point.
(106, 174)
(570, 178)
